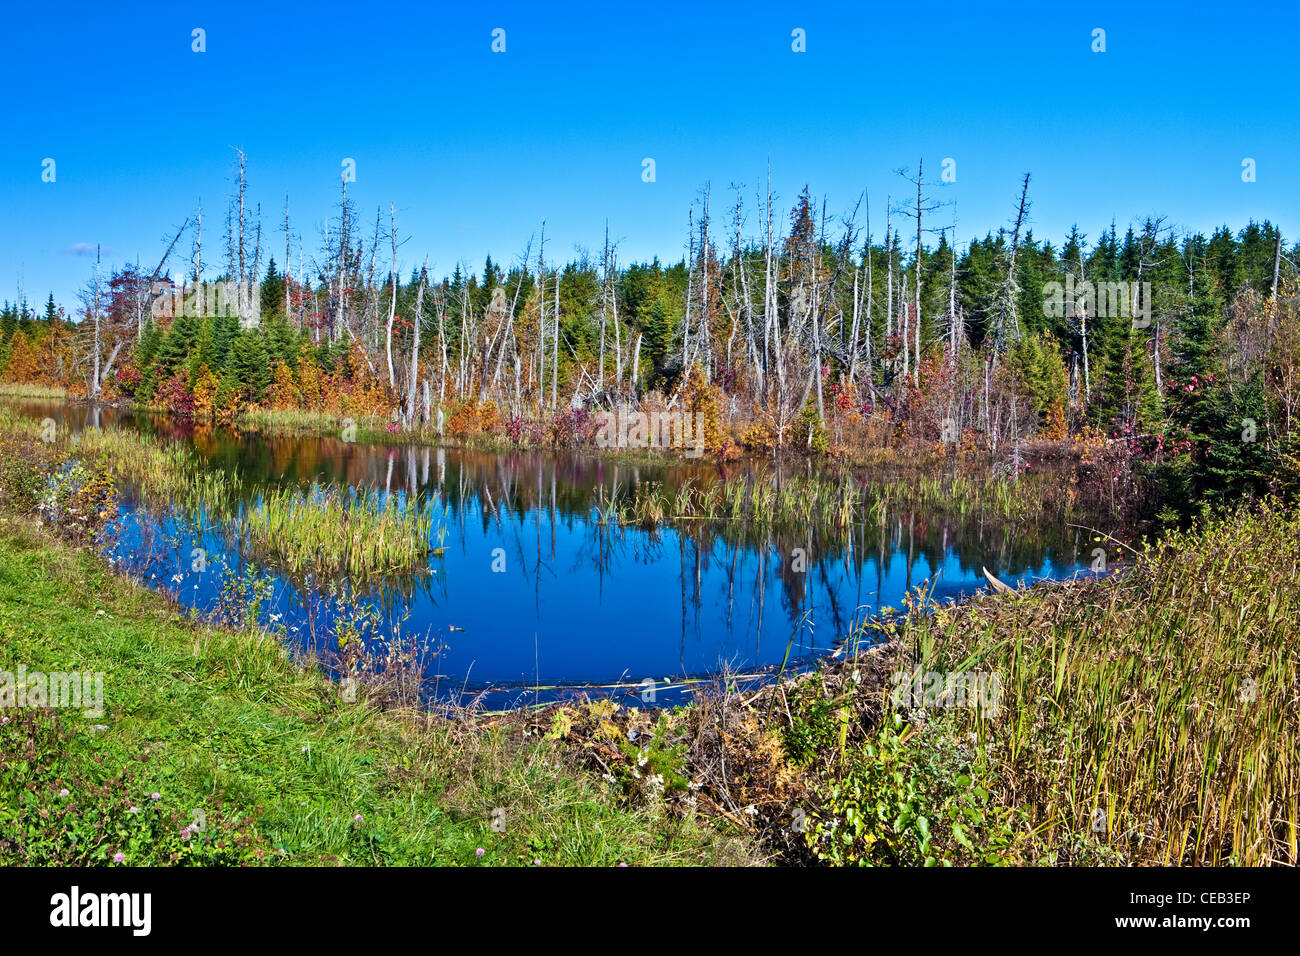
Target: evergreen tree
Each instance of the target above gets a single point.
(250, 365)
(272, 292)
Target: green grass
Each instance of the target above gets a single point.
(226, 722)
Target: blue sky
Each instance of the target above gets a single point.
(477, 148)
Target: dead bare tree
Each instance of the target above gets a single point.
(1007, 323)
(416, 321)
(392, 302)
(922, 207)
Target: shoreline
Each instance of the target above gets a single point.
(372, 429)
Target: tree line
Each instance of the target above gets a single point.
(807, 329)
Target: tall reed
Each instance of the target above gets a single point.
(1155, 714)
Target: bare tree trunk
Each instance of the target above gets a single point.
(415, 343)
(870, 290)
(618, 337)
(604, 308)
(198, 248)
(392, 302)
(920, 209)
(287, 252)
(94, 391)
(1007, 307)
(511, 317)
(636, 365)
(690, 283)
(242, 276)
(853, 336)
(953, 323)
(906, 314)
(442, 344)
(889, 268)
(541, 321)
(555, 358)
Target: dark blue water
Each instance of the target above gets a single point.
(534, 597)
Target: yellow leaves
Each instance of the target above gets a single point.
(561, 725)
(206, 386)
(284, 392)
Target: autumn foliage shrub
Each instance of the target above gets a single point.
(574, 426)
(704, 401)
(174, 395)
(284, 392)
(463, 420)
(24, 366)
(206, 388)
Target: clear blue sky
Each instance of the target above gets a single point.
(478, 148)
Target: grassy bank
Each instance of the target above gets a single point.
(836, 500)
(33, 392)
(284, 770)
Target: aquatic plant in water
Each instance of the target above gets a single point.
(350, 532)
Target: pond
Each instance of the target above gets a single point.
(536, 598)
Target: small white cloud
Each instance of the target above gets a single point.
(84, 249)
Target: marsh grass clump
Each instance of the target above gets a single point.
(30, 391)
(347, 532)
(836, 501)
(158, 469)
(1145, 715)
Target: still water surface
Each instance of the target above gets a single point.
(578, 604)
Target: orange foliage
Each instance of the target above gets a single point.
(284, 391)
(205, 390)
(24, 366)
